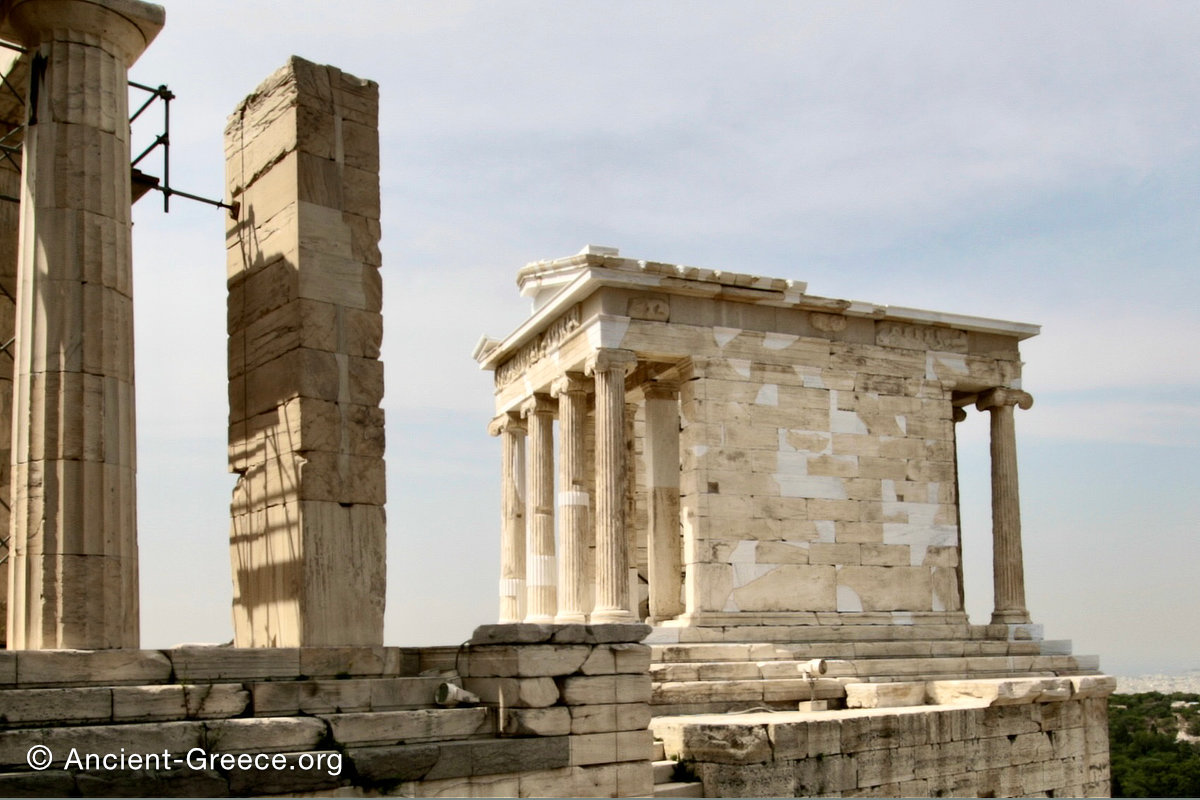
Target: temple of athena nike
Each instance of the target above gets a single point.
(730, 550)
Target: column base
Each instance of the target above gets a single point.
(1011, 617)
(606, 616)
(576, 618)
(540, 619)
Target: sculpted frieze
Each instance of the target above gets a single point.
(531, 352)
(920, 337)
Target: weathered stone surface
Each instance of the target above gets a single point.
(394, 727)
(306, 430)
(885, 695)
(605, 689)
(514, 692)
(526, 661)
(202, 701)
(998, 691)
(615, 717)
(553, 721)
(82, 666)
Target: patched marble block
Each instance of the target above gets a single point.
(813, 479)
(306, 433)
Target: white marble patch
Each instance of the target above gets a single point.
(779, 341)
(826, 530)
(848, 599)
(819, 487)
(768, 395)
(740, 365)
(724, 336)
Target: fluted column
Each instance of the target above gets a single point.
(664, 545)
(511, 430)
(574, 600)
(74, 562)
(540, 571)
(612, 561)
(1008, 566)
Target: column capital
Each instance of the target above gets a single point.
(1002, 396)
(128, 25)
(661, 390)
(959, 414)
(610, 359)
(570, 383)
(508, 421)
(538, 404)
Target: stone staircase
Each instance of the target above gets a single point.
(667, 777)
(700, 678)
(335, 718)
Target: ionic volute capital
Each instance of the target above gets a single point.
(1002, 396)
(608, 359)
(508, 422)
(539, 404)
(570, 383)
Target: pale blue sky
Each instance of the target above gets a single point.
(1027, 161)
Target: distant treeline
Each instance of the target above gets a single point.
(1148, 760)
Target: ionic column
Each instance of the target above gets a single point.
(663, 545)
(511, 430)
(540, 582)
(74, 562)
(574, 600)
(612, 561)
(1008, 566)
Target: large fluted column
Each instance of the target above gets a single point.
(664, 545)
(511, 430)
(74, 566)
(1008, 566)
(574, 600)
(541, 579)
(612, 560)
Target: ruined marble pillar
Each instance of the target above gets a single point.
(664, 545)
(306, 430)
(1008, 566)
(574, 600)
(511, 430)
(73, 562)
(541, 581)
(612, 559)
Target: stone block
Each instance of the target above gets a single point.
(884, 766)
(605, 689)
(789, 741)
(553, 721)
(515, 692)
(375, 765)
(113, 667)
(751, 780)
(611, 717)
(310, 772)
(719, 743)
(157, 737)
(789, 587)
(997, 691)
(344, 662)
(1086, 686)
(526, 661)
(824, 777)
(274, 734)
(885, 695)
(418, 725)
(199, 701)
(57, 706)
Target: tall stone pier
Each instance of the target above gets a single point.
(74, 570)
(306, 428)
